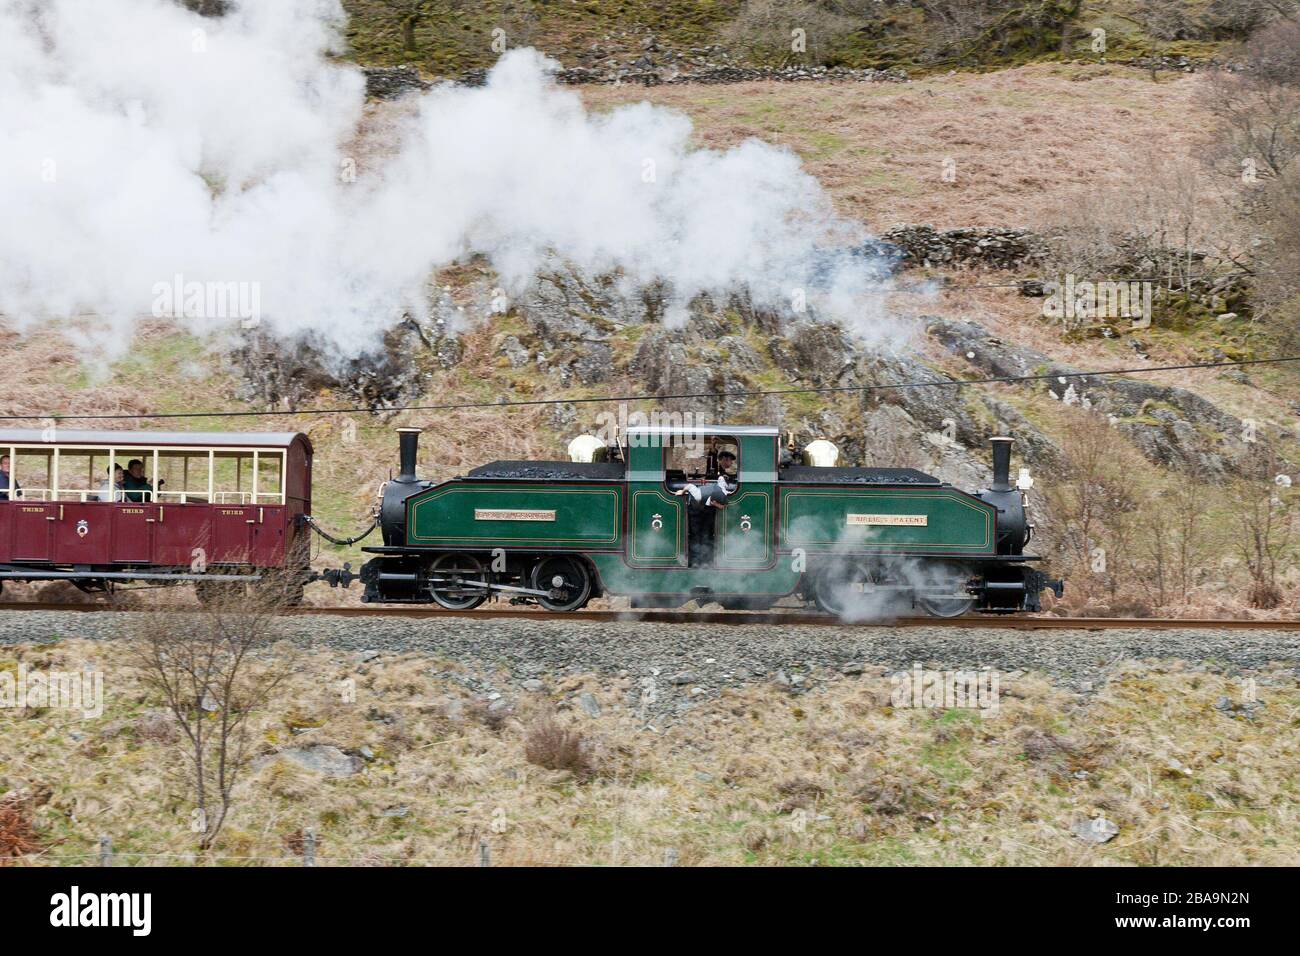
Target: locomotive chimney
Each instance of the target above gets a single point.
(408, 443)
(1001, 462)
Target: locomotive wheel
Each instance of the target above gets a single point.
(457, 567)
(956, 575)
(945, 607)
(567, 575)
(844, 588)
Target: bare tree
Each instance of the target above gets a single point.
(976, 31)
(767, 27)
(1258, 104)
(1237, 19)
(1267, 526)
(211, 672)
(1187, 500)
(1092, 502)
(410, 15)
(1171, 541)
(1257, 107)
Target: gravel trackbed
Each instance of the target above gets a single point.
(708, 658)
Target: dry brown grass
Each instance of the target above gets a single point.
(836, 775)
(1026, 141)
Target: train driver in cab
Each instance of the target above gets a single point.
(715, 493)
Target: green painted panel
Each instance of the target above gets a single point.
(744, 537)
(941, 520)
(492, 515)
(657, 526)
(757, 458)
(618, 578)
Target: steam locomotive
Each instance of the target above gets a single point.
(666, 515)
(619, 521)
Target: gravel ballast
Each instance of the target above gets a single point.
(694, 659)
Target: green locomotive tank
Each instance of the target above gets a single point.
(707, 514)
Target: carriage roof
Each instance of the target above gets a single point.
(130, 439)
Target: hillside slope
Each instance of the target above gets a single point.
(448, 37)
(1018, 161)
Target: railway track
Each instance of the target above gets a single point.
(793, 618)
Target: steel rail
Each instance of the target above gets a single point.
(793, 618)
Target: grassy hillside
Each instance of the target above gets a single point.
(448, 36)
(759, 775)
(457, 36)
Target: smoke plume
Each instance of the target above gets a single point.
(143, 147)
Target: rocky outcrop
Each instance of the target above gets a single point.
(276, 372)
(1034, 446)
(988, 248)
(669, 69)
(392, 82)
(574, 323)
(324, 759)
(567, 304)
(1169, 425)
(687, 366)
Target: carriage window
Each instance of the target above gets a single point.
(270, 475)
(80, 474)
(168, 476)
(32, 470)
(247, 478)
(184, 476)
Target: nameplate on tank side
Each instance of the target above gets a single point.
(507, 514)
(912, 521)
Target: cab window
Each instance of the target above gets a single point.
(692, 458)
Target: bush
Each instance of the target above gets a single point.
(17, 832)
(554, 747)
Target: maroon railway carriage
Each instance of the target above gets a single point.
(221, 508)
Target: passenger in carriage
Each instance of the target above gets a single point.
(111, 490)
(7, 484)
(137, 487)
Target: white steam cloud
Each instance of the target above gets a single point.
(140, 142)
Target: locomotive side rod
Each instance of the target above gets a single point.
(508, 588)
(454, 583)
